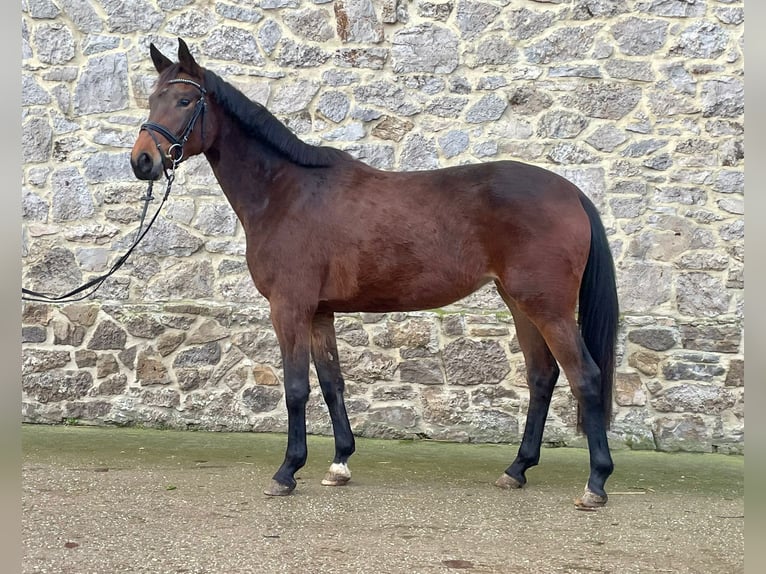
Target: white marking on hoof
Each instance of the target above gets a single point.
(338, 475)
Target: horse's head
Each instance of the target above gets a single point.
(178, 126)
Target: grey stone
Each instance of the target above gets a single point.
(310, 24)
(134, 16)
(33, 334)
(723, 97)
(393, 393)
(379, 156)
(607, 138)
(701, 40)
(292, 54)
(446, 106)
(36, 140)
(735, 377)
(96, 43)
(730, 182)
(103, 85)
(687, 433)
(730, 15)
(71, 198)
(194, 23)
(33, 207)
(574, 72)
(627, 207)
(733, 231)
(628, 390)
(56, 386)
(238, 13)
(32, 93)
(468, 362)
(83, 15)
(563, 44)
(64, 333)
(439, 11)
(491, 83)
(40, 360)
(459, 85)
(496, 51)
(269, 36)
(590, 180)
(568, 153)
(665, 102)
(372, 58)
(207, 354)
(215, 219)
(54, 44)
(294, 97)
(454, 143)
(113, 385)
(232, 43)
(654, 338)
(694, 398)
(629, 70)
(606, 100)
(712, 337)
(701, 295)
(84, 358)
(277, 4)
(485, 149)
(334, 106)
(643, 147)
(101, 167)
(261, 399)
(425, 48)
(561, 124)
(421, 371)
(349, 132)
(489, 108)
(524, 23)
(701, 261)
(640, 36)
(672, 8)
(527, 100)
(56, 272)
(643, 286)
(108, 335)
(186, 280)
(473, 17)
(356, 21)
(350, 330)
(587, 9)
(368, 366)
(386, 95)
(418, 153)
(719, 127)
(40, 9)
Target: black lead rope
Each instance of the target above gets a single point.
(94, 284)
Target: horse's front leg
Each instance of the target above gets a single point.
(324, 350)
(292, 324)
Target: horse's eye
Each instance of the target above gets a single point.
(183, 102)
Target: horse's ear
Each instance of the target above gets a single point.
(160, 61)
(187, 61)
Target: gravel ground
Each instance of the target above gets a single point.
(98, 500)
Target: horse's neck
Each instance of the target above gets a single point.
(247, 171)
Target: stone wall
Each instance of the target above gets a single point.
(639, 102)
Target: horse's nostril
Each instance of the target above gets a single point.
(145, 162)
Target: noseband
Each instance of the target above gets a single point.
(175, 152)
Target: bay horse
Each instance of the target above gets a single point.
(326, 233)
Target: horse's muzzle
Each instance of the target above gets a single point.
(144, 166)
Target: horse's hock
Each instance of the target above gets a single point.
(640, 104)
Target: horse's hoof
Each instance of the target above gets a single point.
(278, 489)
(590, 500)
(507, 482)
(338, 475)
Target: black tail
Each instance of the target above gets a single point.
(599, 310)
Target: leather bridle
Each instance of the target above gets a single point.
(175, 153)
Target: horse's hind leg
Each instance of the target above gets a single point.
(542, 374)
(567, 345)
(324, 350)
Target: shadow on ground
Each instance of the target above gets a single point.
(142, 501)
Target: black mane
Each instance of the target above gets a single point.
(261, 123)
